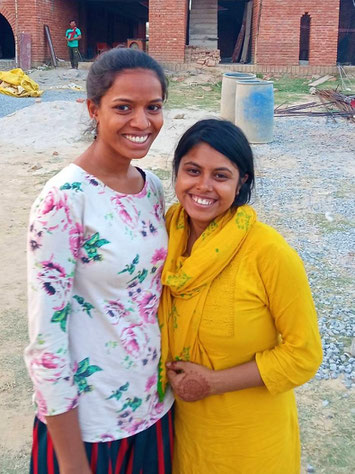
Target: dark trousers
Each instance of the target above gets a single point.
(74, 57)
(148, 452)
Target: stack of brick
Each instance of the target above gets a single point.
(202, 56)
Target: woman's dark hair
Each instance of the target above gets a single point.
(110, 63)
(227, 139)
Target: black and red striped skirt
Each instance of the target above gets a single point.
(147, 452)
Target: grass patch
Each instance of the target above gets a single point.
(287, 90)
(202, 96)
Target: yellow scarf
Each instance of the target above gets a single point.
(187, 280)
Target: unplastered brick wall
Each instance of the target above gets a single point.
(202, 56)
(167, 29)
(276, 31)
(30, 16)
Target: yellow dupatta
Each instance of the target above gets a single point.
(187, 280)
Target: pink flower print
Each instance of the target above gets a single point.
(116, 311)
(51, 361)
(46, 366)
(49, 203)
(129, 218)
(76, 236)
(156, 407)
(148, 307)
(150, 382)
(53, 202)
(134, 340)
(158, 211)
(41, 403)
(159, 256)
(55, 281)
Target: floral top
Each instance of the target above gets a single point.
(94, 264)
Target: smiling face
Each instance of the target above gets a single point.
(129, 115)
(206, 184)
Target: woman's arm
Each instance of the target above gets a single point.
(283, 367)
(55, 236)
(192, 382)
(69, 447)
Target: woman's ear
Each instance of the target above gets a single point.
(92, 109)
(244, 179)
(240, 184)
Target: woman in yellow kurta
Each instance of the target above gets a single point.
(238, 322)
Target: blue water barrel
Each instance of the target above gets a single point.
(229, 82)
(254, 110)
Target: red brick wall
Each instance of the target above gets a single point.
(32, 15)
(7, 9)
(167, 29)
(277, 40)
(56, 14)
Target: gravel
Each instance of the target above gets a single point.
(9, 105)
(304, 188)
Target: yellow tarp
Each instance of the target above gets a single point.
(18, 84)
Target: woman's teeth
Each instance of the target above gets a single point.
(137, 139)
(201, 201)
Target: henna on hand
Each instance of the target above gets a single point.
(192, 387)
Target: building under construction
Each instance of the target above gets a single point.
(305, 33)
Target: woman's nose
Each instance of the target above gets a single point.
(140, 120)
(204, 183)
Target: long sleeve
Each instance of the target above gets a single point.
(54, 240)
(299, 354)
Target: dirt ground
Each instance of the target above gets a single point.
(35, 143)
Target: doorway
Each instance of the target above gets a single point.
(230, 20)
(7, 39)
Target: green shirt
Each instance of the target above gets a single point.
(73, 43)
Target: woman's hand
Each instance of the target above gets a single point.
(190, 382)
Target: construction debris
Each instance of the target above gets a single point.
(332, 104)
(321, 80)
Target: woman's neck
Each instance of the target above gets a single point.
(102, 162)
(196, 229)
(113, 170)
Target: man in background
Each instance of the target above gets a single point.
(73, 35)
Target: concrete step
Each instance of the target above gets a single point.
(7, 64)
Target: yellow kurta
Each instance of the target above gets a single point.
(259, 308)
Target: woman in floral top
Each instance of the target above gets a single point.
(97, 244)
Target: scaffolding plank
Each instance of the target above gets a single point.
(249, 16)
(239, 42)
(50, 44)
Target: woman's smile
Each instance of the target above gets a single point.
(137, 138)
(206, 185)
(202, 201)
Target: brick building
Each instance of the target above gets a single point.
(281, 32)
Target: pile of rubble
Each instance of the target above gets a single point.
(202, 56)
(332, 104)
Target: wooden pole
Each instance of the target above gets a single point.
(249, 16)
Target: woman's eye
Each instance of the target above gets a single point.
(122, 108)
(192, 171)
(154, 108)
(221, 176)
